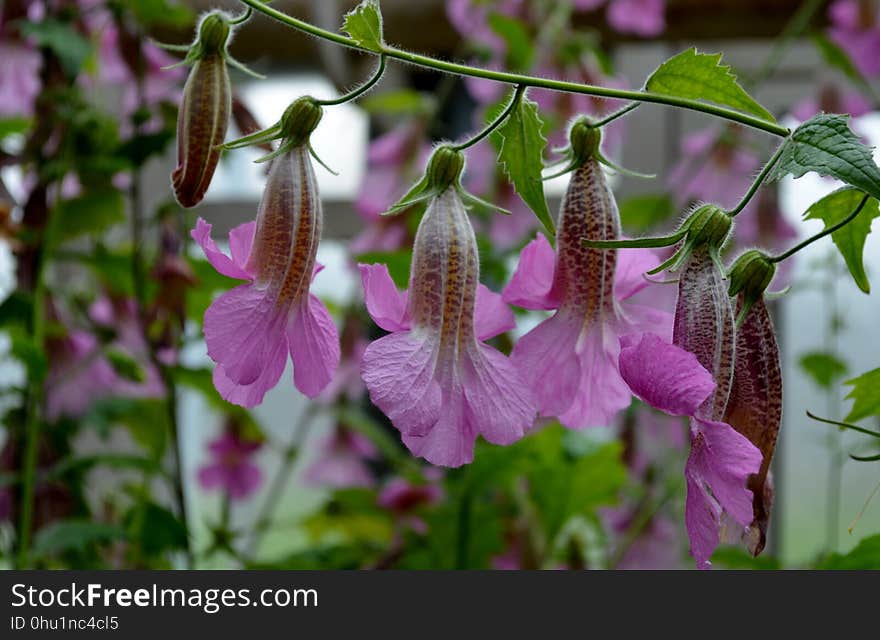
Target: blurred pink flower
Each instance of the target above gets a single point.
(342, 461)
(232, 469)
(405, 499)
(831, 99)
(642, 17)
(19, 78)
(656, 546)
(855, 28)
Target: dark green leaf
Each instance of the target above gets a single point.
(145, 418)
(89, 214)
(30, 354)
(522, 158)
(640, 213)
(866, 555)
(155, 528)
(865, 395)
(16, 310)
(823, 368)
(701, 76)
(850, 239)
(63, 39)
(125, 366)
(739, 558)
(825, 144)
(515, 33)
(364, 25)
(75, 535)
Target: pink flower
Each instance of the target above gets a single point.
(830, 99)
(433, 376)
(232, 469)
(342, 461)
(855, 28)
(250, 329)
(641, 17)
(675, 378)
(570, 359)
(19, 79)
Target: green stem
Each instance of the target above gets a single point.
(845, 425)
(825, 232)
(519, 79)
(757, 182)
(489, 128)
(359, 91)
(611, 117)
(793, 30)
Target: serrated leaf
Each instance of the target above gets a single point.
(701, 76)
(75, 535)
(850, 239)
(522, 158)
(364, 25)
(826, 145)
(865, 395)
(823, 368)
(89, 214)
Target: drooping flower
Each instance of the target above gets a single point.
(570, 359)
(855, 28)
(433, 376)
(204, 114)
(251, 329)
(232, 468)
(342, 461)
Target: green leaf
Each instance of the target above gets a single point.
(866, 555)
(865, 395)
(155, 528)
(364, 25)
(63, 39)
(125, 366)
(738, 558)
(402, 102)
(515, 33)
(145, 418)
(701, 76)
(850, 239)
(75, 535)
(640, 213)
(825, 144)
(25, 350)
(14, 125)
(160, 12)
(823, 368)
(89, 214)
(522, 158)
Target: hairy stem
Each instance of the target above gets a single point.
(526, 80)
(756, 184)
(489, 128)
(823, 233)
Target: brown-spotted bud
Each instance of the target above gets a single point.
(445, 167)
(204, 113)
(300, 119)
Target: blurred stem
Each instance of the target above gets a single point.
(358, 91)
(825, 232)
(462, 545)
(279, 482)
(520, 79)
(489, 128)
(795, 28)
(756, 184)
(645, 514)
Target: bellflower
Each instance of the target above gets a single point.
(433, 376)
(250, 329)
(570, 359)
(232, 469)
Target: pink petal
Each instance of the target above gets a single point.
(602, 393)
(398, 371)
(250, 395)
(642, 17)
(385, 304)
(546, 359)
(243, 480)
(632, 264)
(637, 318)
(212, 476)
(665, 376)
(241, 238)
(243, 328)
(702, 515)
(531, 282)
(450, 441)
(491, 316)
(219, 260)
(499, 404)
(314, 347)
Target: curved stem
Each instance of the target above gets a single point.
(844, 425)
(823, 233)
(520, 79)
(359, 91)
(758, 182)
(489, 128)
(611, 117)
(244, 17)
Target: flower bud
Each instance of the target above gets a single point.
(709, 225)
(585, 140)
(300, 120)
(751, 274)
(445, 167)
(213, 33)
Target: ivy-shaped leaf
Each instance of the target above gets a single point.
(522, 158)
(865, 395)
(825, 144)
(701, 76)
(364, 25)
(850, 239)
